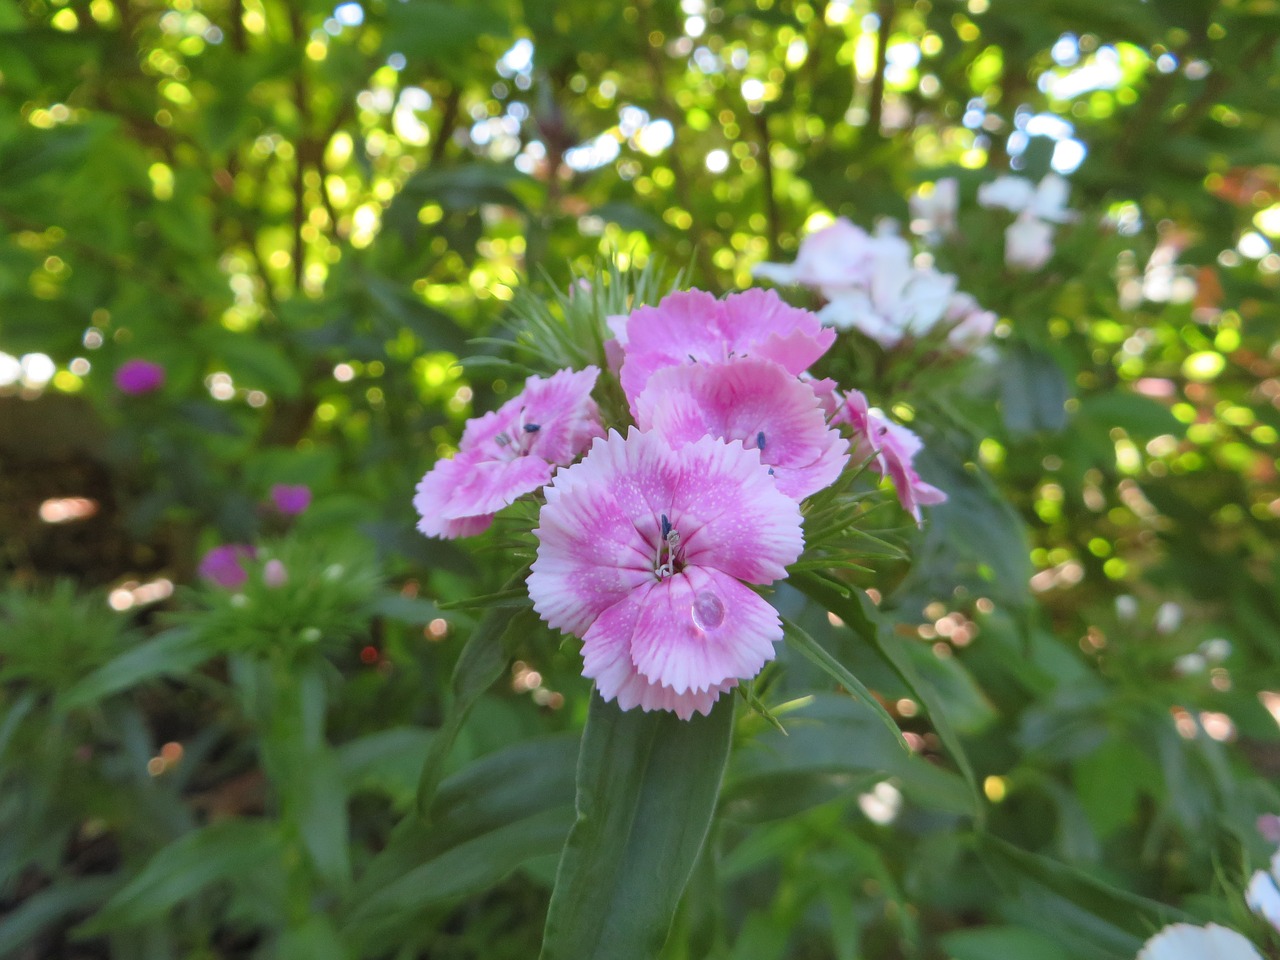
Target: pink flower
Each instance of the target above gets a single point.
(971, 324)
(891, 448)
(136, 377)
(508, 453)
(291, 499)
(224, 565)
(643, 550)
(695, 326)
(755, 401)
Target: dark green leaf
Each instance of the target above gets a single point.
(647, 788)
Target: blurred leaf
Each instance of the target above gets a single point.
(1033, 391)
(482, 661)
(987, 943)
(856, 610)
(53, 905)
(647, 788)
(218, 852)
(172, 653)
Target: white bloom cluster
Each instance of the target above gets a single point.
(871, 285)
(1028, 243)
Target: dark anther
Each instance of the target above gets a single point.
(760, 440)
(666, 526)
(532, 427)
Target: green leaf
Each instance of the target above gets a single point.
(818, 655)
(51, 905)
(388, 761)
(220, 851)
(860, 615)
(834, 746)
(482, 661)
(985, 943)
(647, 789)
(1119, 920)
(172, 653)
(1033, 391)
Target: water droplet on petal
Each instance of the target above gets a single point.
(708, 611)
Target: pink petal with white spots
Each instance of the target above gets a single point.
(694, 326)
(757, 402)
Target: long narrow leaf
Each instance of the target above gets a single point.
(856, 610)
(813, 651)
(647, 788)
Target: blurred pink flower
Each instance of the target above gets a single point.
(936, 211)
(274, 574)
(224, 565)
(971, 325)
(757, 402)
(642, 552)
(291, 499)
(508, 453)
(891, 448)
(136, 377)
(693, 326)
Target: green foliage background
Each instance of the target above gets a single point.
(306, 219)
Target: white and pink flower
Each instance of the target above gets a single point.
(645, 551)
(508, 453)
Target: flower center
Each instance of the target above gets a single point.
(669, 560)
(518, 441)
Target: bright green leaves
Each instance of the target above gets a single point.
(647, 788)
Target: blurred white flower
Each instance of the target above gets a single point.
(1182, 941)
(871, 285)
(1008, 192)
(1045, 201)
(1028, 243)
(935, 211)
(1126, 607)
(1168, 617)
(1263, 895)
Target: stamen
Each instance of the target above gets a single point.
(502, 440)
(532, 427)
(760, 440)
(666, 527)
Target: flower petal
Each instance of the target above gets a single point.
(606, 658)
(753, 401)
(701, 628)
(553, 419)
(693, 325)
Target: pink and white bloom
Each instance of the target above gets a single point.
(900, 300)
(1182, 941)
(1007, 192)
(1028, 243)
(838, 255)
(891, 448)
(755, 401)
(693, 326)
(645, 552)
(509, 452)
(970, 324)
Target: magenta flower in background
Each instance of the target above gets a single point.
(224, 566)
(645, 550)
(891, 448)
(693, 326)
(136, 377)
(757, 402)
(508, 453)
(291, 499)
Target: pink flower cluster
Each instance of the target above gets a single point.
(649, 546)
(871, 285)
